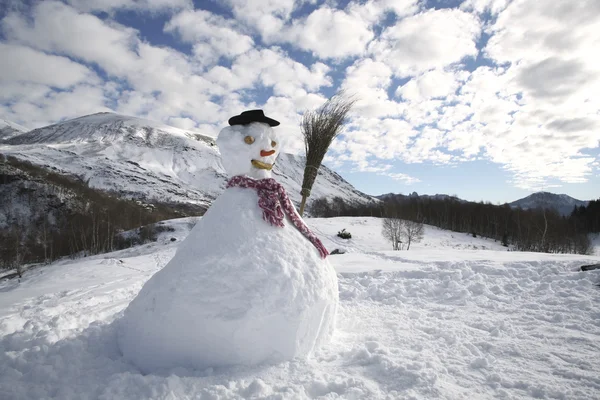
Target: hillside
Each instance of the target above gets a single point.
(453, 318)
(562, 203)
(45, 216)
(9, 129)
(151, 161)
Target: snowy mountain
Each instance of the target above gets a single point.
(151, 161)
(9, 129)
(563, 203)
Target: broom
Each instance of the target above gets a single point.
(319, 128)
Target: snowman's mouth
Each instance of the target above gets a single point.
(262, 165)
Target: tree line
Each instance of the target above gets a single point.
(587, 217)
(45, 216)
(538, 230)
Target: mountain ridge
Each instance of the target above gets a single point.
(148, 160)
(562, 203)
(9, 129)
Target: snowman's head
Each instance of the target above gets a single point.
(249, 149)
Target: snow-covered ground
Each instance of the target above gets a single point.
(455, 317)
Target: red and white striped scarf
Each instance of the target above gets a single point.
(274, 201)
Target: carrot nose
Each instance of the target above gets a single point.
(264, 153)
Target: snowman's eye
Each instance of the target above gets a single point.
(273, 143)
(249, 139)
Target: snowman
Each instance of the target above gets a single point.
(249, 285)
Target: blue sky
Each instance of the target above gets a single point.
(485, 99)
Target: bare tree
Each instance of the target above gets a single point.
(412, 231)
(319, 128)
(392, 230)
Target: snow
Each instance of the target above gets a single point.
(10, 129)
(153, 161)
(238, 291)
(106, 127)
(441, 321)
(5, 123)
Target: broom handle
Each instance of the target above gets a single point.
(302, 204)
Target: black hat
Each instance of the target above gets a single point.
(249, 116)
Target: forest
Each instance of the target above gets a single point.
(45, 216)
(538, 230)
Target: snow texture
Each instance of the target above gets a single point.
(456, 317)
(9, 129)
(238, 291)
(152, 161)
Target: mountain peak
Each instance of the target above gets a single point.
(148, 160)
(563, 203)
(9, 129)
(107, 127)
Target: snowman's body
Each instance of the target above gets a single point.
(238, 290)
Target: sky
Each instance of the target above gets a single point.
(484, 99)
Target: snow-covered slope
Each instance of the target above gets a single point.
(562, 203)
(10, 129)
(441, 321)
(152, 161)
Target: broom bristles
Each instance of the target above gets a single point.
(319, 128)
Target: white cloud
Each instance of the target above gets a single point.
(25, 65)
(81, 100)
(374, 138)
(182, 122)
(268, 17)
(212, 36)
(369, 81)
(432, 39)
(138, 5)
(543, 111)
(272, 68)
(326, 32)
(58, 28)
(163, 81)
(373, 11)
(432, 84)
(406, 179)
(377, 168)
(384, 170)
(329, 33)
(527, 29)
(481, 6)
(424, 147)
(15, 91)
